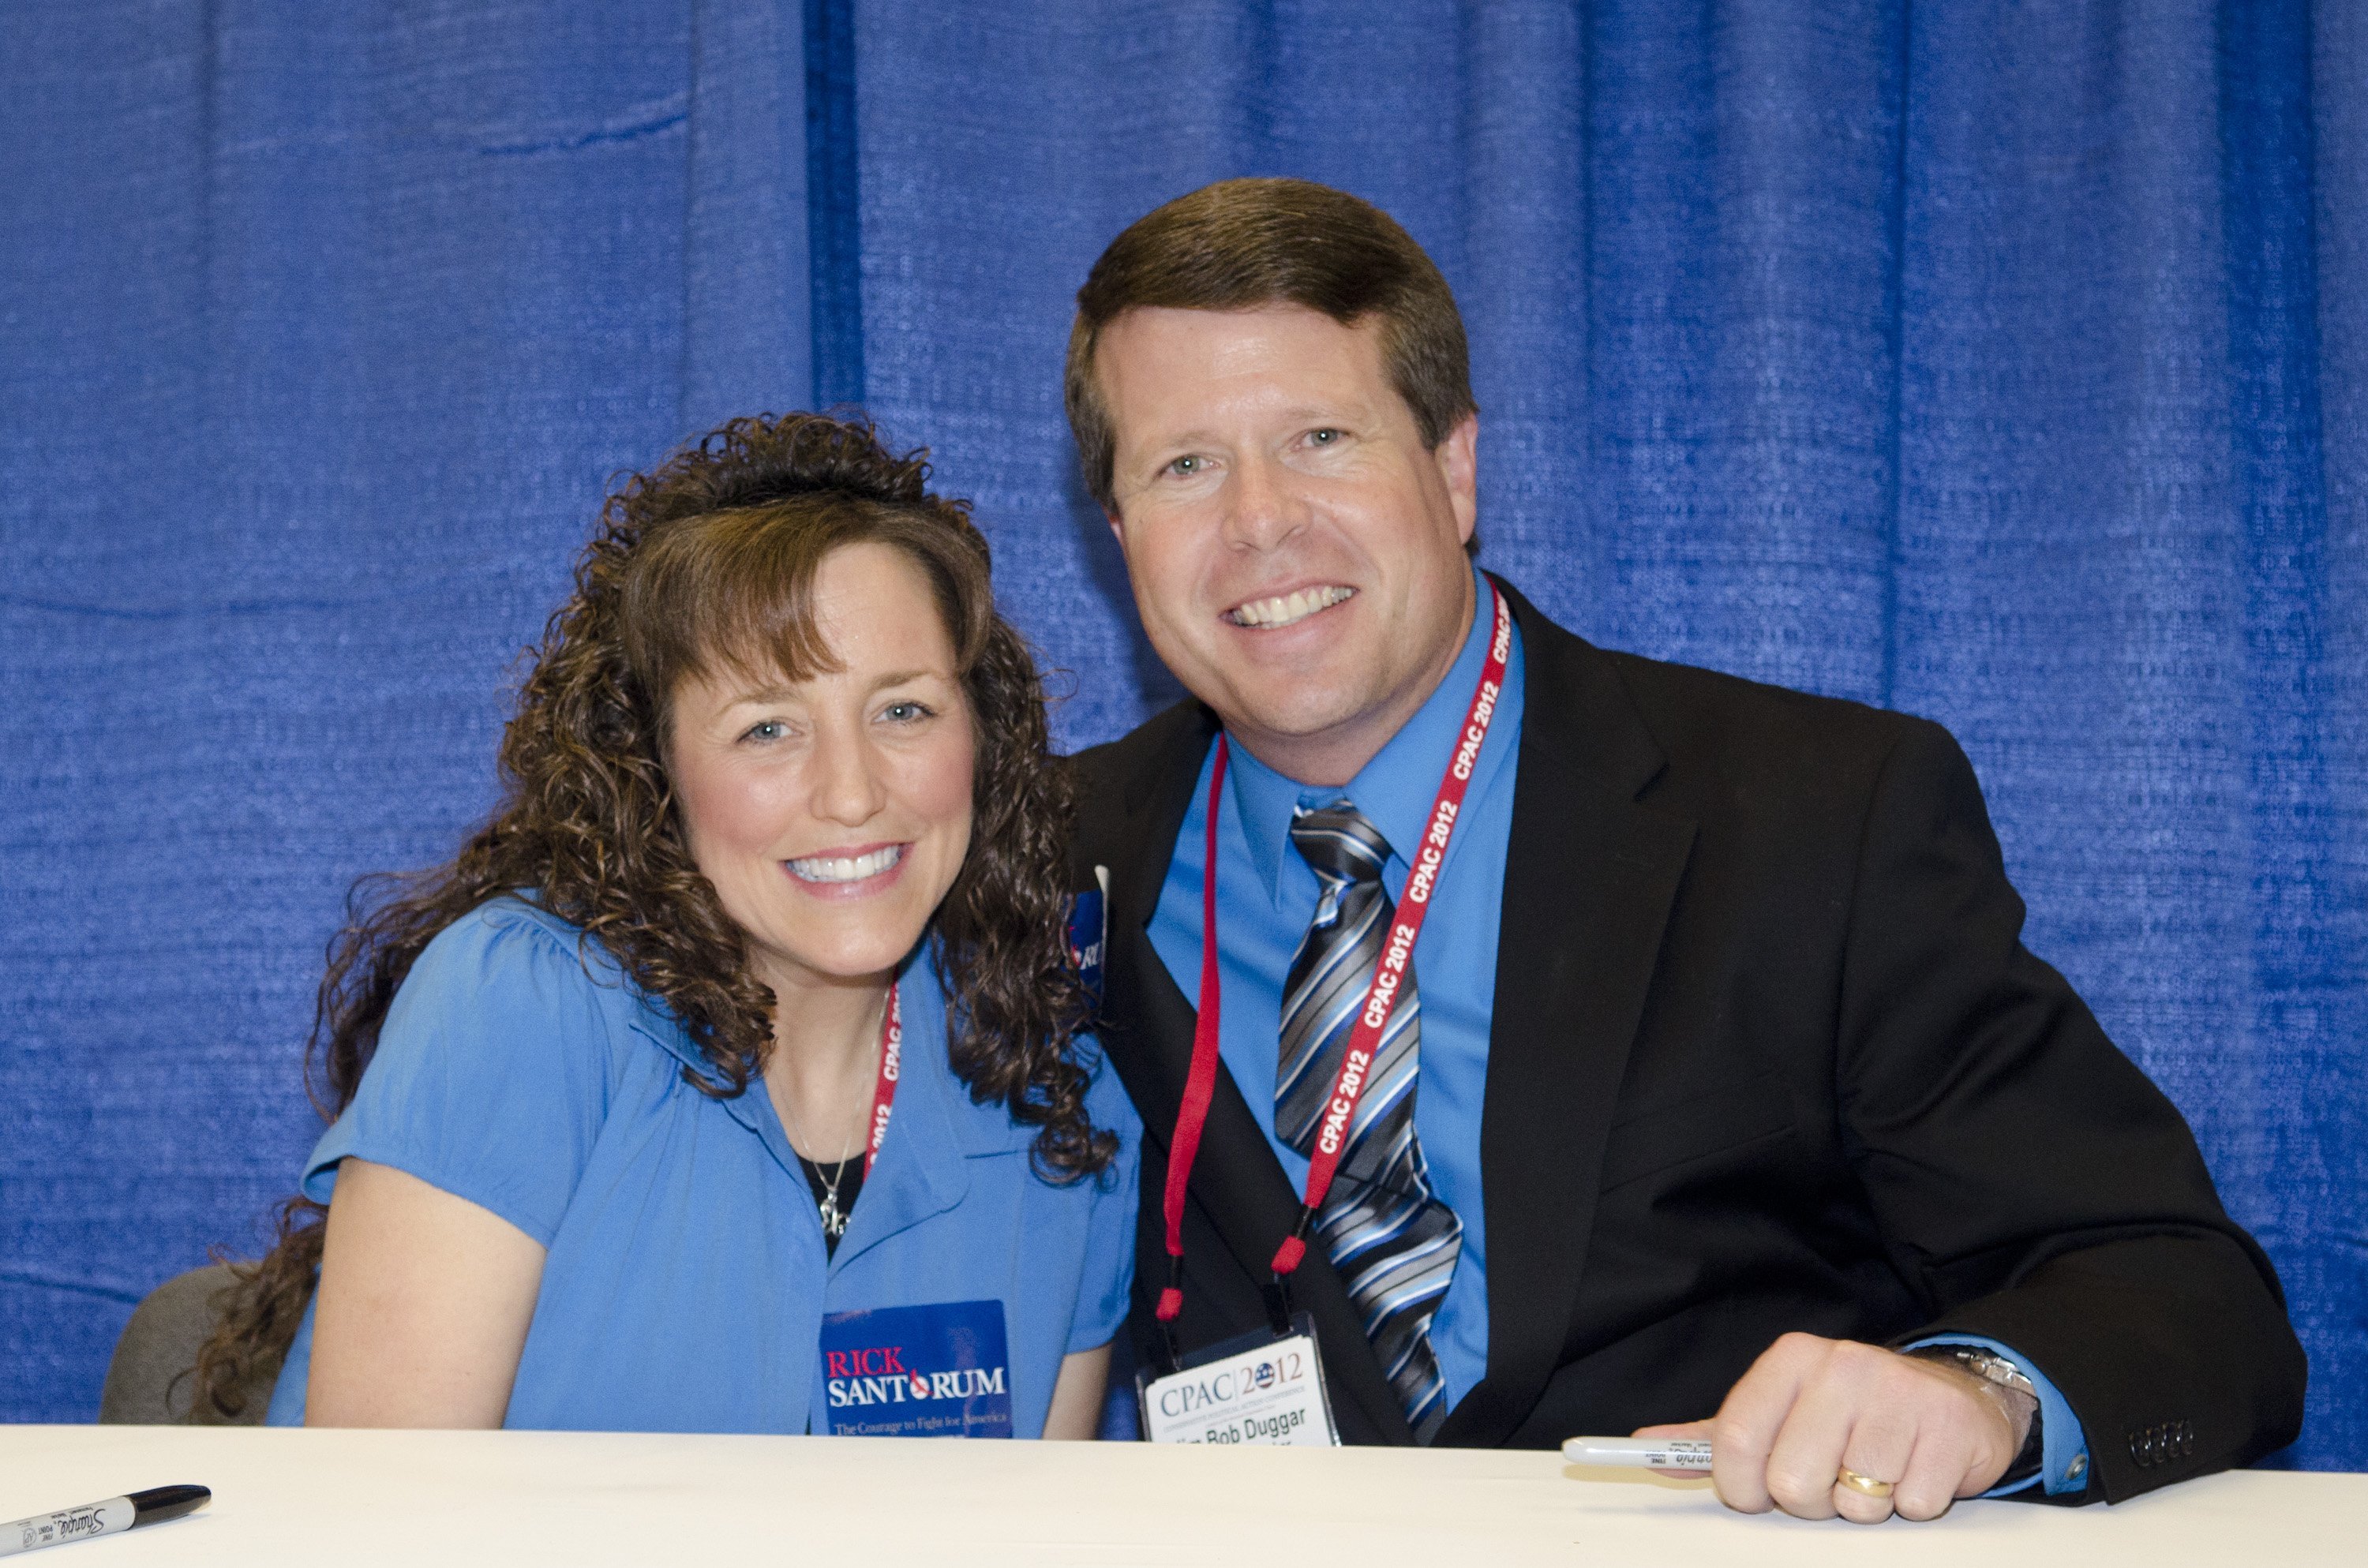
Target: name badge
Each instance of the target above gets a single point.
(934, 1372)
(1260, 1387)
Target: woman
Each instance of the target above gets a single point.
(729, 1079)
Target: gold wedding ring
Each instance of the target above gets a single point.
(1865, 1485)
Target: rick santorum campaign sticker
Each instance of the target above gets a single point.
(933, 1371)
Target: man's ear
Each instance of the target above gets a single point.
(1458, 456)
(1118, 528)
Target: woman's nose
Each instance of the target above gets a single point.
(848, 786)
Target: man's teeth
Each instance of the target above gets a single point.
(1289, 607)
(845, 868)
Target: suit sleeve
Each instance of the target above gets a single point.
(2029, 1182)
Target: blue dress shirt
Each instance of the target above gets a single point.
(1266, 896)
(685, 1277)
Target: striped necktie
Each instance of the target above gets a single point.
(1393, 1243)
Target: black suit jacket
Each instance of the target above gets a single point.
(1767, 1054)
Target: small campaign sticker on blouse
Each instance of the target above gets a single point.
(1089, 934)
(933, 1371)
(1258, 1388)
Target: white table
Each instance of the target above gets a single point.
(455, 1499)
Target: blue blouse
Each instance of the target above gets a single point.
(686, 1280)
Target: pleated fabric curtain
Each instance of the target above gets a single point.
(2005, 363)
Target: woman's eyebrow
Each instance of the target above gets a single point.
(765, 694)
(758, 696)
(900, 677)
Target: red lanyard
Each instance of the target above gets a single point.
(883, 1096)
(1389, 975)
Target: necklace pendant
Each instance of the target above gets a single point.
(834, 1223)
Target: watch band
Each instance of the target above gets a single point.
(1992, 1367)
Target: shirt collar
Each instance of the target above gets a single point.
(1394, 790)
(954, 1119)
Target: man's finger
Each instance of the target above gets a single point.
(1839, 1411)
(1858, 1505)
(1878, 1453)
(1753, 1414)
(1934, 1475)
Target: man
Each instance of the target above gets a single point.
(1718, 1081)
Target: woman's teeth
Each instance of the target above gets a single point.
(845, 868)
(1290, 608)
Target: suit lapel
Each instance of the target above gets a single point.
(1588, 889)
(1236, 1180)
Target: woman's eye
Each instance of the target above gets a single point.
(905, 712)
(766, 730)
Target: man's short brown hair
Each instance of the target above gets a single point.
(1241, 244)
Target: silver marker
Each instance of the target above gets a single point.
(109, 1518)
(1650, 1453)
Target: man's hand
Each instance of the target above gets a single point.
(1810, 1407)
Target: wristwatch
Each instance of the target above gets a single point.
(1985, 1364)
(1991, 1366)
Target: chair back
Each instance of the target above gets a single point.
(152, 1379)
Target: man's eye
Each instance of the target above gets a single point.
(1323, 437)
(1188, 466)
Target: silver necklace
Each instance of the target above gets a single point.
(833, 1217)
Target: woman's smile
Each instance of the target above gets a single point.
(848, 873)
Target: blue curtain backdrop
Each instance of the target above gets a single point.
(2001, 360)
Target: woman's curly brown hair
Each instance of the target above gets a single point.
(710, 558)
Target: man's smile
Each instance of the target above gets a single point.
(1288, 610)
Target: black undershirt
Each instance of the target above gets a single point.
(850, 1183)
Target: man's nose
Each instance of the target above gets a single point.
(848, 786)
(1262, 507)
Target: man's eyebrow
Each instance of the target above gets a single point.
(1308, 413)
(1301, 413)
(1179, 440)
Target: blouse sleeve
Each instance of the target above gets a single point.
(491, 1075)
(1109, 1238)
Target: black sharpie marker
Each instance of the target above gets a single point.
(110, 1518)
